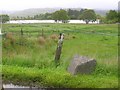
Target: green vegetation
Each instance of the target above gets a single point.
(112, 16)
(74, 14)
(60, 15)
(4, 18)
(63, 15)
(29, 58)
(88, 15)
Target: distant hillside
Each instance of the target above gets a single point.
(34, 11)
(6, 12)
(101, 12)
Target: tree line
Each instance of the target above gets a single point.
(86, 15)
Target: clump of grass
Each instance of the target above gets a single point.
(73, 36)
(9, 35)
(10, 40)
(67, 37)
(6, 44)
(54, 36)
(41, 40)
(92, 31)
(22, 41)
(49, 41)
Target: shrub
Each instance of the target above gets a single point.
(9, 36)
(41, 40)
(73, 37)
(54, 36)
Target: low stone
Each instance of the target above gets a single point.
(81, 65)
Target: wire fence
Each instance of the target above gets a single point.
(33, 32)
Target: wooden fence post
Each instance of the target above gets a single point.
(59, 47)
(42, 33)
(21, 37)
(21, 31)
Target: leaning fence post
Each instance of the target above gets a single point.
(59, 47)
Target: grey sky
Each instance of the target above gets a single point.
(25, 4)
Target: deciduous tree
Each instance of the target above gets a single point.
(4, 18)
(60, 15)
(112, 16)
(88, 15)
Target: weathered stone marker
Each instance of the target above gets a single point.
(82, 65)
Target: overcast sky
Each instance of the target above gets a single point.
(26, 4)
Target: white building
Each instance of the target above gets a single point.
(50, 21)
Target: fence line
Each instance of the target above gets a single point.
(66, 31)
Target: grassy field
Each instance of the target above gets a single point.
(29, 59)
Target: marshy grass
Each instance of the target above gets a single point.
(31, 58)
